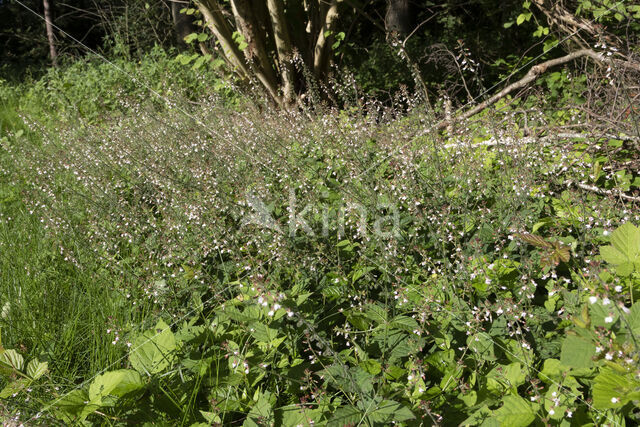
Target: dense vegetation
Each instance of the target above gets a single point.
(398, 243)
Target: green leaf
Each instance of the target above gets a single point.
(371, 366)
(11, 359)
(262, 332)
(190, 37)
(74, 406)
(552, 371)
(482, 344)
(292, 416)
(516, 412)
(405, 323)
(36, 369)
(388, 411)
(503, 377)
(577, 353)
(261, 413)
(114, 383)
(153, 351)
(14, 387)
(612, 389)
(624, 251)
(344, 416)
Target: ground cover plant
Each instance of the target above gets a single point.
(225, 266)
(176, 248)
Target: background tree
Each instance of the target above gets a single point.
(263, 40)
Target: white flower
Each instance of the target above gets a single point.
(569, 414)
(609, 356)
(618, 288)
(606, 301)
(598, 350)
(551, 411)
(593, 300)
(614, 400)
(608, 319)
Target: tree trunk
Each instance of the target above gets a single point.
(255, 37)
(321, 51)
(49, 27)
(398, 17)
(283, 46)
(182, 23)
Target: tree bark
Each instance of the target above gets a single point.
(321, 52)
(283, 47)
(398, 17)
(212, 14)
(49, 27)
(256, 51)
(182, 23)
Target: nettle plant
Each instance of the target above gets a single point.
(426, 355)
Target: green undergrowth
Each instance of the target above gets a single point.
(245, 266)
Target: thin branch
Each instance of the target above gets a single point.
(604, 192)
(531, 76)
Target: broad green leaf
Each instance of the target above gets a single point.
(552, 371)
(602, 315)
(612, 389)
(515, 412)
(480, 416)
(74, 406)
(344, 416)
(482, 344)
(292, 416)
(153, 351)
(388, 411)
(261, 413)
(114, 383)
(36, 369)
(371, 366)
(507, 377)
(262, 332)
(405, 323)
(14, 387)
(624, 251)
(11, 359)
(376, 313)
(577, 353)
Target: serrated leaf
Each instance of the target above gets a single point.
(371, 366)
(114, 383)
(344, 416)
(153, 351)
(534, 240)
(515, 412)
(613, 390)
(577, 353)
(482, 344)
(11, 359)
(74, 406)
(36, 369)
(624, 251)
(262, 332)
(261, 412)
(388, 411)
(405, 323)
